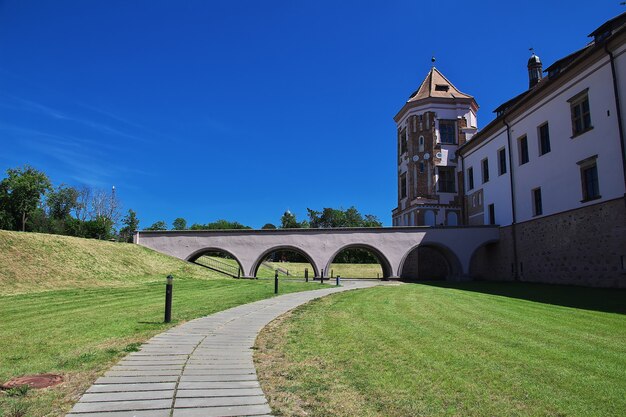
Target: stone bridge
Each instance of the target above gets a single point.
(395, 247)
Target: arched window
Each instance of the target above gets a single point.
(421, 144)
(429, 218)
(452, 219)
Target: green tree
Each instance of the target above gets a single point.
(220, 224)
(130, 224)
(268, 226)
(289, 221)
(21, 192)
(61, 202)
(179, 224)
(100, 227)
(333, 218)
(160, 225)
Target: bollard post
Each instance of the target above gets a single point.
(238, 272)
(306, 274)
(378, 275)
(332, 273)
(168, 299)
(276, 282)
(322, 277)
(338, 278)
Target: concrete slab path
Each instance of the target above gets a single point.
(202, 368)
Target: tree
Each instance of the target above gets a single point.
(131, 223)
(61, 201)
(160, 225)
(21, 192)
(333, 218)
(220, 224)
(98, 228)
(288, 221)
(268, 226)
(179, 224)
(105, 204)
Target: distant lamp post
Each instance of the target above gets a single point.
(168, 298)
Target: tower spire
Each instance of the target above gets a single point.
(535, 69)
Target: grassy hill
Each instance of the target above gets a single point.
(75, 306)
(39, 262)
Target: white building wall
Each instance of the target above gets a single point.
(497, 190)
(557, 172)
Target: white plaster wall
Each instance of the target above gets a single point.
(498, 190)
(620, 74)
(557, 172)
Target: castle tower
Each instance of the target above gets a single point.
(535, 71)
(432, 124)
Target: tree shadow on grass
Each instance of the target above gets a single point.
(597, 299)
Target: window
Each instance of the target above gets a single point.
(589, 179)
(403, 186)
(402, 139)
(441, 87)
(421, 167)
(502, 161)
(537, 207)
(446, 180)
(581, 116)
(420, 144)
(447, 131)
(544, 139)
(470, 178)
(492, 214)
(522, 145)
(485, 165)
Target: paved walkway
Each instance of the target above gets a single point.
(202, 368)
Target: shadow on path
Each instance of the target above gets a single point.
(596, 299)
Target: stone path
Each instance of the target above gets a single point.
(202, 368)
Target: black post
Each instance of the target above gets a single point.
(306, 274)
(276, 282)
(322, 277)
(168, 299)
(238, 272)
(332, 273)
(338, 277)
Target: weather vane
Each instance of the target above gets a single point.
(432, 60)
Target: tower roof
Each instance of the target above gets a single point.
(437, 86)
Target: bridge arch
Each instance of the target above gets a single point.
(410, 268)
(201, 252)
(484, 253)
(261, 258)
(382, 259)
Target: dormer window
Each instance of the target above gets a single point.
(442, 87)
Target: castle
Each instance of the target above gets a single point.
(550, 169)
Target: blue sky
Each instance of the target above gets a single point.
(241, 110)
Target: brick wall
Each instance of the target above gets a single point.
(580, 247)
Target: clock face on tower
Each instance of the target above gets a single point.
(416, 158)
(427, 156)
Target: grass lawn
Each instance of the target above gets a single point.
(296, 269)
(80, 333)
(76, 306)
(471, 349)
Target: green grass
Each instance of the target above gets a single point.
(32, 262)
(94, 318)
(296, 269)
(475, 349)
